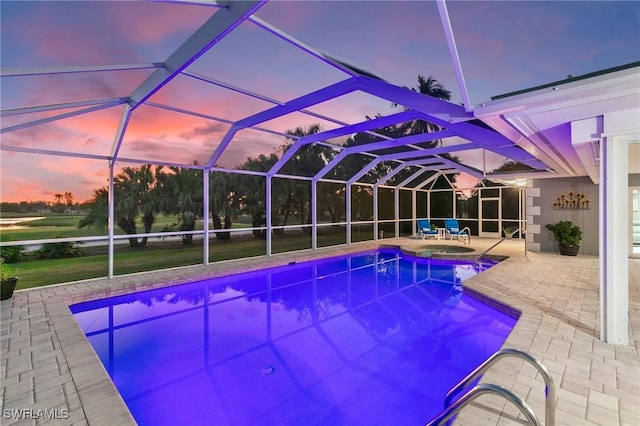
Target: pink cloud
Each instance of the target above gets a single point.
(38, 177)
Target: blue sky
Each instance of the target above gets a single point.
(503, 47)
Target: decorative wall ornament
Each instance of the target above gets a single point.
(572, 200)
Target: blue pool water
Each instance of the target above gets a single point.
(372, 338)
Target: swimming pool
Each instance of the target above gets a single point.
(366, 338)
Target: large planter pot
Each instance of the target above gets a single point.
(568, 250)
(8, 286)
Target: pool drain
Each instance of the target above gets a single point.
(267, 371)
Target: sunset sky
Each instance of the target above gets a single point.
(503, 46)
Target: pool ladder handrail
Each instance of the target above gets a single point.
(550, 390)
(479, 390)
(506, 237)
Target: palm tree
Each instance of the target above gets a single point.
(133, 196)
(253, 191)
(307, 161)
(223, 202)
(97, 216)
(431, 87)
(180, 193)
(68, 198)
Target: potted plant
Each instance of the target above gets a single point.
(8, 280)
(567, 235)
(506, 232)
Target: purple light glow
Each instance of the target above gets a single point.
(369, 338)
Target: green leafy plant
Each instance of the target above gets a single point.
(6, 271)
(11, 254)
(565, 233)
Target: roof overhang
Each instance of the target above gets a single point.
(562, 123)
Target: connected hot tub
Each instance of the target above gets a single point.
(436, 249)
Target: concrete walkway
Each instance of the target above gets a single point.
(50, 374)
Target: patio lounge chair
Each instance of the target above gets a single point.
(424, 229)
(454, 231)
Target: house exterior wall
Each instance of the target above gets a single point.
(541, 194)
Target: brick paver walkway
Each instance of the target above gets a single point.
(48, 368)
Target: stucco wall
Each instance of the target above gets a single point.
(540, 211)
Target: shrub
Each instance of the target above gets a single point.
(11, 254)
(59, 250)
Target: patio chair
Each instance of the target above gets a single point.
(454, 231)
(424, 229)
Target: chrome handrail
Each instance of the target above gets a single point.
(460, 232)
(448, 412)
(468, 233)
(506, 237)
(550, 391)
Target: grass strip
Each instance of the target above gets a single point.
(41, 272)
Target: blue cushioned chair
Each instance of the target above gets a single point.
(453, 229)
(424, 229)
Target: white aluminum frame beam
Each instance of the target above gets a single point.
(22, 72)
(427, 153)
(122, 128)
(398, 169)
(342, 131)
(70, 114)
(204, 38)
(266, 99)
(27, 150)
(329, 92)
(448, 115)
(213, 3)
(461, 167)
(214, 118)
(430, 157)
(453, 52)
(64, 105)
(424, 137)
(431, 179)
(300, 45)
(413, 177)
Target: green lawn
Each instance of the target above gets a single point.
(159, 255)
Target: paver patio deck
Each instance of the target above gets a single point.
(47, 363)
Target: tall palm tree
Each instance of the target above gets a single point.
(431, 87)
(252, 190)
(179, 192)
(133, 188)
